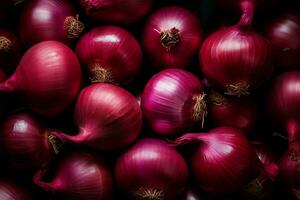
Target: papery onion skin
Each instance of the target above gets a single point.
(173, 101)
(284, 103)
(11, 191)
(25, 142)
(43, 20)
(284, 33)
(48, 75)
(151, 169)
(236, 59)
(172, 37)
(239, 113)
(79, 176)
(223, 162)
(116, 11)
(111, 54)
(10, 50)
(108, 117)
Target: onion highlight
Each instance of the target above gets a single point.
(11, 191)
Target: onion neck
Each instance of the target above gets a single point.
(189, 138)
(99, 74)
(149, 194)
(170, 38)
(216, 98)
(94, 5)
(293, 131)
(38, 180)
(73, 26)
(246, 19)
(237, 89)
(65, 138)
(9, 85)
(5, 44)
(200, 108)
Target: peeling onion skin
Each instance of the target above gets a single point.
(284, 33)
(122, 12)
(143, 170)
(180, 52)
(79, 176)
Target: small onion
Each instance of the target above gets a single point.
(173, 101)
(239, 113)
(11, 191)
(42, 20)
(237, 59)
(284, 103)
(108, 117)
(284, 33)
(224, 160)
(111, 54)
(79, 176)
(151, 169)
(49, 77)
(116, 11)
(10, 50)
(172, 37)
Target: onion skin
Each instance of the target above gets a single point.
(178, 49)
(284, 103)
(26, 143)
(48, 76)
(151, 169)
(239, 113)
(116, 11)
(260, 5)
(79, 176)
(236, 59)
(223, 162)
(111, 54)
(173, 102)
(284, 33)
(10, 50)
(108, 117)
(11, 191)
(49, 20)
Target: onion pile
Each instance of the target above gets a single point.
(237, 59)
(173, 101)
(49, 20)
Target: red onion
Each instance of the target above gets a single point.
(42, 20)
(232, 112)
(261, 5)
(223, 162)
(151, 169)
(289, 168)
(11, 191)
(237, 59)
(79, 176)
(10, 50)
(107, 117)
(26, 143)
(284, 35)
(116, 11)
(172, 37)
(191, 195)
(173, 101)
(284, 103)
(49, 77)
(111, 54)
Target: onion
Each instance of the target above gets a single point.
(151, 169)
(11, 191)
(107, 117)
(261, 5)
(191, 195)
(173, 101)
(116, 11)
(223, 161)
(26, 143)
(10, 50)
(111, 54)
(284, 103)
(172, 37)
(237, 59)
(232, 112)
(42, 20)
(49, 77)
(79, 176)
(284, 33)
